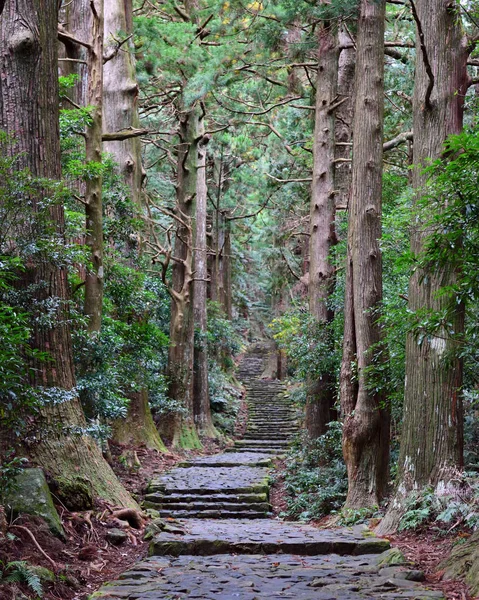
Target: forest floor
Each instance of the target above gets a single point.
(87, 559)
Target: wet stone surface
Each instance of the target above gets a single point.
(231, 459)
(198, 479)
(253, 577)
(263, 536)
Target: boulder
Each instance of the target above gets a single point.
(32, 496)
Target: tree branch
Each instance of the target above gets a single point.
(425, 57)
(114, 51)
(402, 138)
(125, 134)
(66, 36)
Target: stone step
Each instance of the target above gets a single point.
(268, 536)
(229, 460)
(261, 443)
(220, 498)
(206, 480)
(215, 514)
(271, 451)
(263, 507)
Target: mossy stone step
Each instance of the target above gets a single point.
(237, 536)
(221, 498)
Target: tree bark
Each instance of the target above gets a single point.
(320, 393)
(181, 429)
(29, 114)
(432, 432)
(201, 395)
(120, 113)
(366, 419)
(93, 306)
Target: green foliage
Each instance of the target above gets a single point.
(20, 571)
(309, 345)
(10, 467)
(315, 476)
(457, 504)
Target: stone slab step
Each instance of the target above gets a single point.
(202, 480)
(214, 514)
(268, 536)
(220, 498)
(249, 577)
(232, 459)
(199, 505)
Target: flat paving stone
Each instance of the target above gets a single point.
(262, 536)
(217, 479)
(251, 577)
(231, 459)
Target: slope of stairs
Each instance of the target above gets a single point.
(238, 486)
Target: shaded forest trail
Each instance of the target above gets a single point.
(220, 542)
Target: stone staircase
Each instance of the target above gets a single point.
(226, 545)
(238, 486)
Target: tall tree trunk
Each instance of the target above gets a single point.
(29, 113)
(366, 424)
(432, 431)
(180, 429)
(93, 189)
(201, 395)
(320, 393)
(227, 270)
(120, 113)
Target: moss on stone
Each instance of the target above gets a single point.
(32, 496)
(390, 558)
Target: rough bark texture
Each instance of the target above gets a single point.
(120, 113)
(201, 395)
(344, 120)
(320, 399)
(432, 433)
(29, 113)
(366, 426)
(93, 188)
(181, 429)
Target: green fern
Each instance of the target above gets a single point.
(19, 571)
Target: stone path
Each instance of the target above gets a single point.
(220, 544)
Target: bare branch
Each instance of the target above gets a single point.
(125, 134)
(299, 180)
(402, 138)
(114, 51)
(66, 36)
(425, 57)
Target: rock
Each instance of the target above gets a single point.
(391, 557)
(116, 537)
(156, 526)
(32, 496)
(463, 563)
(76, 494)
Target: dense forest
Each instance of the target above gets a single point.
(182, 179)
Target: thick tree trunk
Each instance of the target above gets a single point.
(201, 395)
(120, 113)
(366, 426)
(29, 113)
(180, 429)
(432, 431)
(320, 393)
